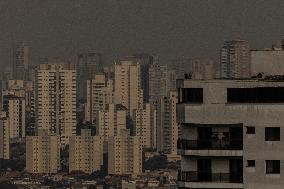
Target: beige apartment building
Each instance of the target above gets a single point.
(56, 100)
(127, 87)
(25, 90)
(85, 152)
(42, 153)
(124, 154)
(15, 110)
(167, 125)
(111, 121)
(143, 125)
(4, 137)
(99, 95)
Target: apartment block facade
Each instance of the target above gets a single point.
(99, 95)
(15, 110)
(4, 137)
(142, 125)
(127, 85)
(111, 121)
(85, 152)
(56, 100)
(43, 153)
(232, 135)
(167, 125)
(124, 154)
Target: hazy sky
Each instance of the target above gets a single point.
(169, 28)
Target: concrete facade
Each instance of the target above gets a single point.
(111, 121)
(268, 62)
(127, 85)
(224, 118)
(99, 95)
(4, 137)
(124, 154)
(42, 153)
(56, 100)
(85, 152)
(15, 110)
(167, 126)
(143, 127)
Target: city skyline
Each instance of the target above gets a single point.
(141, 94)
(120, 28)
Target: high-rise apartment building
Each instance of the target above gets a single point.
(85, 152)
(232, 133)
(43, 153)
(127, 87)
(99, 95)
(124, 154)
(111, 121)
(146, 61)
(235, 59)
(21, 61)
(15, 110)
(88, 64)
(158, 81)
(56, 100)
(4, 137)
(143, 126)
(167, 125)
(24, 89)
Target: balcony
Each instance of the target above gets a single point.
(211, 147)
(201, 176)
(201, 179)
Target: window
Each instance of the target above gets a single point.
(255, 95)
(272, 133)
(250, 130)
(272, 166)
(192, 95)
(250, 163)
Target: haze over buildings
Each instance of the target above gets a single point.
(169, 29)
(152, 94)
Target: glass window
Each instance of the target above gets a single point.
(250, 130)
(272, 133)
(250, 163)
(272, 166)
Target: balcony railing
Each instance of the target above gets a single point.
(210, 144)
(202, 176)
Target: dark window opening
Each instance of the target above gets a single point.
(250, 163)
(256, 95)
(272, 133)
(272, 166)
(192, 95)
(250, 130)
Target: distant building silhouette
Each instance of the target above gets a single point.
(235, 59)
